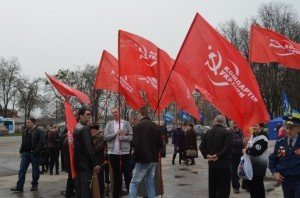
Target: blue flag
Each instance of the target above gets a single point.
(168, 117)
(185, 117)
(287, 109)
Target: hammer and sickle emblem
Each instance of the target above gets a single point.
(275, 43)
(214, 67)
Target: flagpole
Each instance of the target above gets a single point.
(158, 117)
(158, 85)
(173, 67)
(119, 101)
(250, 44)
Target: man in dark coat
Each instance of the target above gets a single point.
(178, 141)
(53, 146)
(32, 145)
(85, 158)
(146, 144)
(237, 147)
(216, 147)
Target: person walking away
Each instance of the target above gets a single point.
(118, 135)
(53, 145)
(178, 141)
(190, 143)
(31, 147)
(257, 149)
(216, 147)
(284, 162)
(99, 144)
(84, 154)
(146, 143)
(237, 148)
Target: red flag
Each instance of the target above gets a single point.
(138, 56)
(213, 64)
(179, 87)
(108, 79)
(268, 46)
(71, 124)
(66, 90)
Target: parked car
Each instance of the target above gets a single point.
(201, 130)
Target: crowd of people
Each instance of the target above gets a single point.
(133, 152)
(223, 149)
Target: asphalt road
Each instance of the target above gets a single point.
(179, 180)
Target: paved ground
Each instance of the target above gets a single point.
(179, 180)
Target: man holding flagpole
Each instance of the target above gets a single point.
(118, 135)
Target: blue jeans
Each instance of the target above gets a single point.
(26, 159)
(291, 189)
(141, 170)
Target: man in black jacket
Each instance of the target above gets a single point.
(216, 147)
(31, 148)
(237, 147)
(146, 144)
(85, 159)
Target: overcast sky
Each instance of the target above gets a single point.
(48, 35)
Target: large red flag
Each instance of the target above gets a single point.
(66, 90)
(267, 46)
(71, 124)
(213, 64)
(108, 79)
(182, 91)
(138, 56)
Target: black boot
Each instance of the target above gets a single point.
(173, 160)
(180, 158)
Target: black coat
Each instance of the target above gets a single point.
(190, 140)
(37, 140)
(146, 141)
(178, 140)
(218, 140)
(85, 158)
(237, 143)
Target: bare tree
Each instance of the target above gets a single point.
(29, 96)
(273, 78)
(9, 76)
